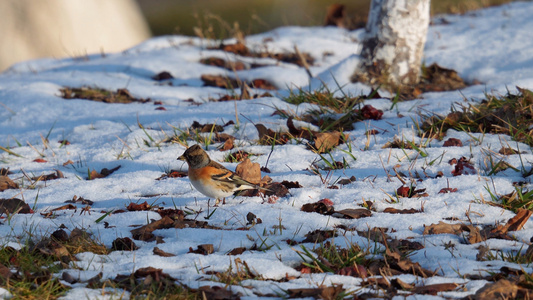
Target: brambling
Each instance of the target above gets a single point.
(211, 178)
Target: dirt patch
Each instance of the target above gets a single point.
(100, 95)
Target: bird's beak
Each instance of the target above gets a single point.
(181, 157)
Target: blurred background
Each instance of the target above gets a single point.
(75, 28)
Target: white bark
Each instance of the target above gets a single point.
(394, 42)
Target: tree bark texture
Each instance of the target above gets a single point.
(394, 42)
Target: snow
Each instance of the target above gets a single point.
(493, 46)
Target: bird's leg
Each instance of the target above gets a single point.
(224, 201)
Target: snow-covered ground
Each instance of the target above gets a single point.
(493, 46)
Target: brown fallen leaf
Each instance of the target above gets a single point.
(448, 190)
(434, 289)
(517, 222)
(81, 200)
(249, 171)
(163, 76)
(220, 81)
(237, 48)
(346, 181)
(267, 136)
(355, 271)
(68, 162)
(443, 227)
(60, 235)
(144, 233)
(173, 174)
(405, 265)
(162, 253)
(204, 249)
(264, 84)
(5, 273)
(175, 214)
(123, 244)
(463, 167)
(509, 151)
(501, 289)
(318, 236)
(215, 293)
(156, 274)
(368, 112)
(321, 207)
(411, 192)
(222, 63)
(277, 189)
(50, 247)
(398, 283)
(325, 141)
(392, 210)
(7, 183)
(453, 142)
(237, 251)
(326, 293)
(13, 206)
(291, 184)
(65, 207)
(52, 176)
(228, 145)
(352, 213)
(103, 173)
(138, 207)
(100, 95)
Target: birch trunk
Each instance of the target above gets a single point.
(394, 42)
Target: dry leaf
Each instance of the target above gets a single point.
(103, 173)
(160, 252)
(162, 76)
(326, 293)
(219, 81)
(64, 207)
(249, 171)
(14, 205)
(452, 142)
(369, 112)
(204, 249)
(443, 227)
(318, 236)
(325, 141)
(517, 222)
(52, 176)
(144, 233)
(392, 210)
(434, 289)
(138, 207)
(321, 207)
(123, 244)
(501, 289)
(215, 293)
(7, 183)
(237, 251)
(353, 213)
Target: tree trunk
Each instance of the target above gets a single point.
(394, 42)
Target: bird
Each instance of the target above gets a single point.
(211, 178)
